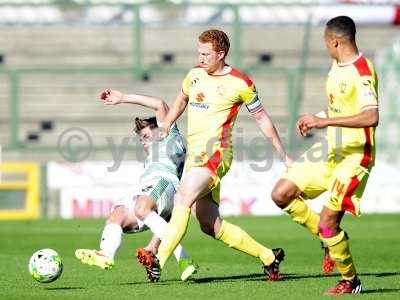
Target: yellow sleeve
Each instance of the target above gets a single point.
(186, 84)
(249, 96)
(367, 92)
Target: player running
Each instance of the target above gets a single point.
(158, 184)
(351, 118)
(213, 92)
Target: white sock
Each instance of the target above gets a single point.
(158, 226)
(111, 239)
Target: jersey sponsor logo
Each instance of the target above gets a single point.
(330, 99)
(199, 105)
(369, 96)
(335, 109)
(367, 82)
(331, 103)
(368, 91)
(147, 188)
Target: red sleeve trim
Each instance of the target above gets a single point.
(236, 73)
(396, 20)
(362, 67)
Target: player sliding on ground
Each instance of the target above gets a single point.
(351, 119)
(213, 92)
(158, 184)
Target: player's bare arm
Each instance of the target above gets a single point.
(177, 108)
(268, 128)
(367, 118)
(114, 97)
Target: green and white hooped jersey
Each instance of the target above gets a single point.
(165, 160)
(160, 179)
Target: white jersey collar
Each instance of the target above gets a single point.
(350, 62)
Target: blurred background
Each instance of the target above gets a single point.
(64, 154)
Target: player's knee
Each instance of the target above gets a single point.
(329, 224)
(181, 197)
(327, 229)
(143, 207)
(117, 216)
(207, 228)
(281, 196)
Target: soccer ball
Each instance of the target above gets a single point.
(45, 265)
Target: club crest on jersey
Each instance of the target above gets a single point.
(200, 97)
(220, 90)
(343, 87)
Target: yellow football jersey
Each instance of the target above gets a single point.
(352, 88)
(214, 102)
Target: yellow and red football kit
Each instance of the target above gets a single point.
(351, 88)
(214, 103)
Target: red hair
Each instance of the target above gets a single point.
(217, 38)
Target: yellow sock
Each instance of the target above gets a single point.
(237, 238)
(302, 214)
(176, 229)
(339, 250)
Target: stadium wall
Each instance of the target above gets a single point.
(88, 190)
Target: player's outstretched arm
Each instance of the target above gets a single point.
(114, 97)
(268, 128)
(367, 118)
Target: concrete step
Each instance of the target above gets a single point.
(113, 45)
(118, 39)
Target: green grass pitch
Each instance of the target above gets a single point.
(224, 273)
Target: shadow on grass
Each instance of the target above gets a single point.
(254, 276)
(261, 277)
(385, 274)
(65, 288)
(292, 276)
(380, 291)
(286, 276)
(202, 280)
(162, 282)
